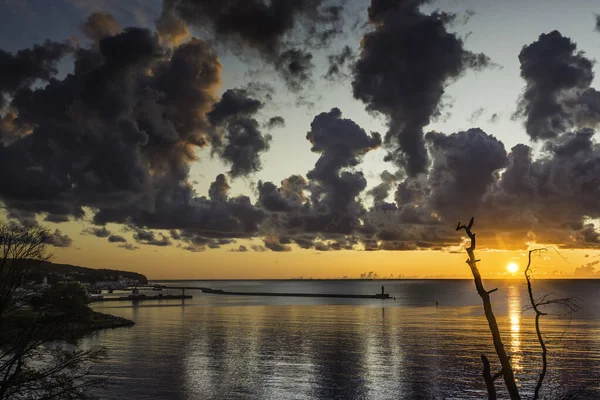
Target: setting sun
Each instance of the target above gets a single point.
(512, 268)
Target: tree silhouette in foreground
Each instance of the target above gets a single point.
(566, 303)
(506, 372)
(33, 362)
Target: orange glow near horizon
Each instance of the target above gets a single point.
(174, 263)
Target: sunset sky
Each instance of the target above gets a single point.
(315, 138)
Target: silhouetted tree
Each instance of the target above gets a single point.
(536, 305)
(506, 372)
(32, 366)
(20, 250)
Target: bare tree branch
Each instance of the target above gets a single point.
(569, 306)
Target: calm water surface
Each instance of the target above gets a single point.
(244, 347)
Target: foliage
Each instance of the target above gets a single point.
(33, 363)
(68, 298)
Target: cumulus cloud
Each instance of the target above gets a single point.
(116, 239)
(128, 137)
(117, 136)
(463, 169)
(57, 239)
(276, 122)
(421, 58)
(558, 95)
(239, 141)
(150, 238)
(97, 231)
(276, 246)
(24, 67)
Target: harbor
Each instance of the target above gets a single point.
(136, 295)
(141, 297)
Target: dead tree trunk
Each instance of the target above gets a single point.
(507, 371)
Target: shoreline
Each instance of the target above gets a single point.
(100, 321)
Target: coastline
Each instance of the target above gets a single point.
(99, 321)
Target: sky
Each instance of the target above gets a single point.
(206, 139)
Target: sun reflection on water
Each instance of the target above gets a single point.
(514, 314)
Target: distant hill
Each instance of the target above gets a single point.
(57, 272)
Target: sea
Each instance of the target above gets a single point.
(424, 344)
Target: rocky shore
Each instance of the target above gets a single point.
(97, 320)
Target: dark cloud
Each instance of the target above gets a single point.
(381, 192)
(515, 180)
(270, 198)
(197, 241)
(219, 189)
(238, 139)
(57, 239)
(116, 239)
(24, 218)
(26, 66)
(337, 62)
(597, 26)
(150, 238)
(99, 232)
(192, 218)
(259, 25)
(333, 210)
(117, 136)
(234, 103)
(421, 59)
(272, 30)
(57, 218)
(557, 96)
(341, 143)
(464, 167)
(241, 249)
(295, 67)
(277, 246)
(124, 126)
(276, 122)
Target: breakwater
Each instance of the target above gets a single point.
(380, 296)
